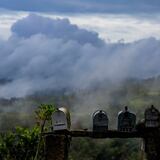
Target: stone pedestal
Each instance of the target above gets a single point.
(152, 145)
(56, 147)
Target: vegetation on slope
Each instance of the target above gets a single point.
(18, 142)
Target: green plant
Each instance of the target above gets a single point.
(26, 143)
(20, 144)
(43, 114)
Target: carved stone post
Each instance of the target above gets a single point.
(152, 145)
(56, 147)
(152, 133)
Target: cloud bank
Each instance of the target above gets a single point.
(45, 54)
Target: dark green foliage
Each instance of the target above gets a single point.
(26, 143)
(20, 144)
(116, 149)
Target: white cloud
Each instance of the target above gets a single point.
(44, 54)
(110, 27)
(116, 27)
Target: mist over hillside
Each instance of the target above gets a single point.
(138, 94)
(53, 61)
(53, 54)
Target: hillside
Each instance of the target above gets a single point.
(137, 94)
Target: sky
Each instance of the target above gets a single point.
(114, 20)
(48, 44)
(83, 6)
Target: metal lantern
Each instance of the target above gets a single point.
(61, 119)
(152, 117)
(126, 121)
(100, 121)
